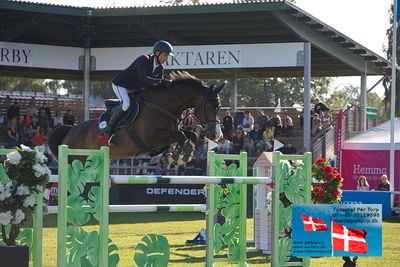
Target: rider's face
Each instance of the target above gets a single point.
(163, 57)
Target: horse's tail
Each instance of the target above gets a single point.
(56, 137)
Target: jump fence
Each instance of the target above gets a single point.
(226, 197)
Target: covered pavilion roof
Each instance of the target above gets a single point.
(265, 21)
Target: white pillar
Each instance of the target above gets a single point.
(307, 97)
(234, 91)
(86, 79)
(363, 98)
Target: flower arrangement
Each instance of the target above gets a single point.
(330, 181)
(23, 171)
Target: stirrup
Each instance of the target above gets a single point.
(111, 139)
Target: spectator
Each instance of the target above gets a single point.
(262, 120)
(58, 119)
(69, 119)
(287, 125)
(13, 111)
(248, 122)
(47, 110)
(20, 121)
(256, 136)
(3, 123)
(248, 146)
(268, 139)
(25, 135)
(238, 119)
(316, 125)
(301, 118)
(43, 121)
(275, 123)
(319, 106)
(237, 140)
(201, 152)
(34, 127)
(288, 148)
(362, 184)
(327, 119)
(31, 110)
(224, 146)
(385, 185)
(12, 135)
(227, 125)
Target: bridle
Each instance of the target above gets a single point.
(207, 99)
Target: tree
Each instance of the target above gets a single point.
(265, 92)
(387, 80)
(339, 97)
(23, 84)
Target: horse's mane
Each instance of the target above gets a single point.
(184, 77)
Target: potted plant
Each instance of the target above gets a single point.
(20, 175)
(330, 182)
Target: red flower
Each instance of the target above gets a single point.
(334, 169)
(320, 160)
(327, 169)
(324, 185)
(339, 177)
(320, 195)
(337, 193)
(329, 175)
(315, 189)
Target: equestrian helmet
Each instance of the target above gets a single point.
(163, 46)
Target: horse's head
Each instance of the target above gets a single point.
(207, 111)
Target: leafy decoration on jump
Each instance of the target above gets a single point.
(227, 205)
(292, 191)
(83, 248)
(154, 251)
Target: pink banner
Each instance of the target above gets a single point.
(339, 140)
(369, 163)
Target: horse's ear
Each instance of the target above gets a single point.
(219, 88)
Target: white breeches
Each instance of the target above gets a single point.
(122, 94)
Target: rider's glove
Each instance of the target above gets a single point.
(166, 83)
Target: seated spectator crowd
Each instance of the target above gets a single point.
(245, 133)
(35, 123)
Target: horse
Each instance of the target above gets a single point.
(156, 127)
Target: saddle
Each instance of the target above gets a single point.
(128, 118)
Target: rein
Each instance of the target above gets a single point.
(203, 125)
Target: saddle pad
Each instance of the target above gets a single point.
(129, 116)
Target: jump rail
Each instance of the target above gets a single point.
(156, 179)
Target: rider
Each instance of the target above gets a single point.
(147, 70)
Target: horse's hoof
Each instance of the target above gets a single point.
(180, 161)
(170, 160)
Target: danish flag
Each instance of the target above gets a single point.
(312, 224)
(348, 239)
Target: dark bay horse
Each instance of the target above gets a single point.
(156, 126)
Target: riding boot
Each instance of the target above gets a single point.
(115, 117)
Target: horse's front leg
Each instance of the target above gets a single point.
(171, 137)
(189, 145)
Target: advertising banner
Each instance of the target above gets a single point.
(337, 230)
(369, 197)
(369, 163)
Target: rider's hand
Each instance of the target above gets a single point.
(166, 83)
